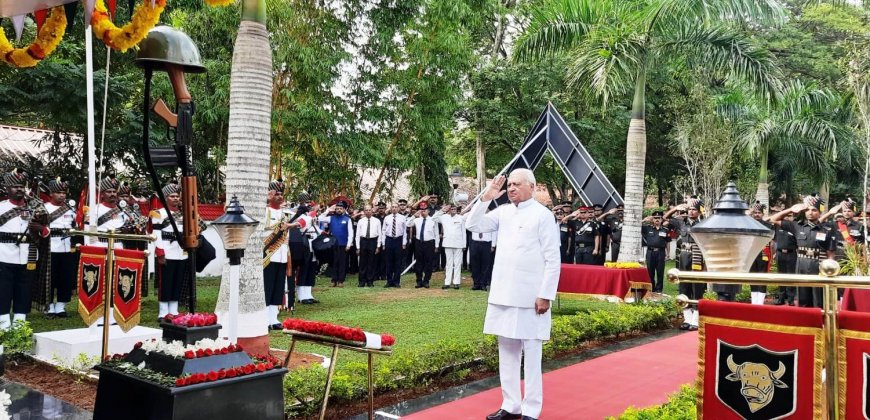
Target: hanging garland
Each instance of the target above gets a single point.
(47, 39)
(121, 39)
(219, 3)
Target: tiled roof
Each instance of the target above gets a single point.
(21, 141)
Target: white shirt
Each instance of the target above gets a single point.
(484, 237)
(453, 228)
(273, 217)
(309, 229)
(11, 253)
(172, 249)
(527, 262)
(116, 222)
(400, 222)
(65, 221)
(368, 227)
(430, 232)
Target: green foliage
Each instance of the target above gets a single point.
(18, 339)
(140, 371)
(680, 406)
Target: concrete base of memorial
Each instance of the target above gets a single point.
(64, 346)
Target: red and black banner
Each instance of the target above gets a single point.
(126, 290)
(760, 362)
(91, 275)
(853, 372)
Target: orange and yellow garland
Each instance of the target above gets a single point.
(46, 41)
(218, 3)
(121, 39)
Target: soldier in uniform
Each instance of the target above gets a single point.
(587, 241)
(762, 261)
(815, 242)
(15, 226)
(171, 257)
(848, 230)
(786, 260)
(110, 216)
(690, 255)
(566, 233)
(275, 272)
(64, 259)
(603, 231)
(614, 221)
(655, 238)
(309, 230)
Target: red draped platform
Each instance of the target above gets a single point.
(641, 376)
(598, 280)
(856, 300)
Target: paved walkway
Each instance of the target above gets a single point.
(33, 405)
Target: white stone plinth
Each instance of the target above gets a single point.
(64, 346)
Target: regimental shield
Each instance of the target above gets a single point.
(866, 387)
(91, 279)
(127, 283)
(756, 383)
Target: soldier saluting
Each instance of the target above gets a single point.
(15, 226)
(762, 261)
(655, 238)
(814, 240)
(587, 240)
(690, 255)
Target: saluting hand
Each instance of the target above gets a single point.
(494, 190)
(797, 208)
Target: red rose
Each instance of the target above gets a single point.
(248, 369)
(189, 354)
(239, 347)
(209, 352)
(231, 373)
(270, 365)
(224, 350)
(200, 353)
(180, 382)
(137, 345)
(261, 367)
(222, 374)
(202, 377)
(212, 376)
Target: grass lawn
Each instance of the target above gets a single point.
(414, 316)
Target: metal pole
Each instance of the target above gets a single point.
(831, 359)
(108, 291)
(329, 380)
(371, 391)
(92, 158)
(234, 303)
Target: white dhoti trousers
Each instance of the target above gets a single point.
(453, 270)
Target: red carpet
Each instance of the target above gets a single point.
(605, 386)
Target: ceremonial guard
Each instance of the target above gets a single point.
(171, 257)
(453, 242)
(762, 261)
(690, 256)
(603, 232)
(110, 216)
(566, 233)
(299, 249)
(786, 260)
(367, 233)
(308, 228)
(394, 241)
(277, 251)
(587, 240)
(655, 238)
(815, 242)
(64, 259)
(17, 231)
(615, 220)
(426, 241)
(848, 230)
(340, 227)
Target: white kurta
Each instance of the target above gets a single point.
(526, 267)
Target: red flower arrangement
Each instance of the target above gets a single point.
(216, 375)
(332, 330)
(192, 320)
(191, 354)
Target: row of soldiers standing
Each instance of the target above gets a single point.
(588, 234)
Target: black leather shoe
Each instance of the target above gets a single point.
(445, 287)
(456, 286)
(418, 286)
(528, 418)
(779, 303)
(693, 328)
(426, 285)
(62, 315)
(51, 315)
(503, 415)
(475, 288)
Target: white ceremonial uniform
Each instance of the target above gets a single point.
(118, 220)
(526, 267)
(65, 221)
(310, 229)
(453, 241)
(274, 216)
(13, 252)
(166, 240)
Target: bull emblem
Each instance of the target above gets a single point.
(757, 381)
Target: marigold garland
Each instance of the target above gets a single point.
(46, 41)
(219, 3)
(622, 265)
(122, 39)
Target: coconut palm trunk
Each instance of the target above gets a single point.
(763, 194)
(635, 164)
(247, 174)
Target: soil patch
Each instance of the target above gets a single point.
(78, 390)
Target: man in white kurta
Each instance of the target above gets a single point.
(453, 242)
(524, 281)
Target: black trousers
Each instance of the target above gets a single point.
(171, 280)
(339, 263)
(64, 266)
(655, 265)
(786, 263)
(583, 255)
(614, 251)
(352, 261)
(393, 260)
(367, 263)
(480, 254)
(15, 284)
(758, 266)
(380, 266)
(809, 297)
(692, 290)
(425, 255)
(274, 276)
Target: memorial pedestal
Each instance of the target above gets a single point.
(64, 346)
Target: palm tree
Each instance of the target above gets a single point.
(612, 44)
(248, 146)
(805, 124)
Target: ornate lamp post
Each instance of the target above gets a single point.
(234, 228)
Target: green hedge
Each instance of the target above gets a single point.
(680, 406)
(453, 360)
